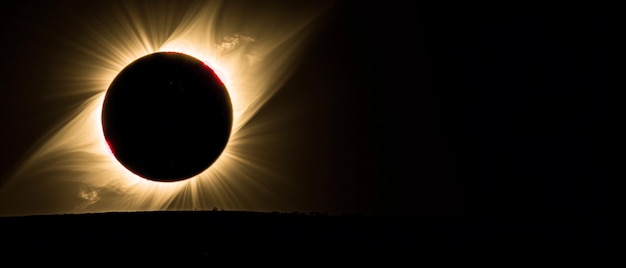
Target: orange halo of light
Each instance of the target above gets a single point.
(73, 170)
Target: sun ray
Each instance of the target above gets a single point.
(74, 171)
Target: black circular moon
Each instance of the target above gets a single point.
(167, 117)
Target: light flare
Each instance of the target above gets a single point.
(74, 171)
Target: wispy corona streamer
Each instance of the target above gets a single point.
(252, 50)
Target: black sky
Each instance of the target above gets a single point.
(422, 110)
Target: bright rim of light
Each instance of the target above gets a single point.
(74, 168)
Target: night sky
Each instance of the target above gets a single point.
(421, 110)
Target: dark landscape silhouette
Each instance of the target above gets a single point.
(301, 237)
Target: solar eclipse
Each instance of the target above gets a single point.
(197, 150)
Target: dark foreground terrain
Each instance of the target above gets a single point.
(300, 238)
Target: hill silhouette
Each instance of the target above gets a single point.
(297, 237)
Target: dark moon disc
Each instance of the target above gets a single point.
(167, 117)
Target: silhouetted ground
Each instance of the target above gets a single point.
(301, 238)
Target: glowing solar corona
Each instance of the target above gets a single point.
(252, 51)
